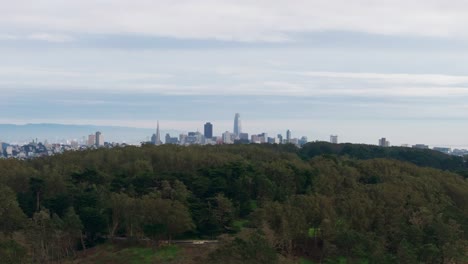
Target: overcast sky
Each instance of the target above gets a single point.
(360, 69)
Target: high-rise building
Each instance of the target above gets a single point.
(334, 139)
(99, 139)
(91, 139)
(383, 142)
(288, 136)
(208, 129)
(156, 139)
(280, 138)
(227, 138)
(237, 125)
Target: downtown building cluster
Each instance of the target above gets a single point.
(237, 136)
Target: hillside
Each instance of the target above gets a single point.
(420, 157)
(264, 203)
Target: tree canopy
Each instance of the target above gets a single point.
(321, 202)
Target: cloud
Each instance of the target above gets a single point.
(434, 79)
(232, 82)
(47, 37)
(236, 20)
(50, 37)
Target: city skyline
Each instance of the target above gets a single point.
(177, 127)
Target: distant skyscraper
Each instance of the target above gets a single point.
(237, 125)
(158, 135)
(99, 139)
(288, 136)
(334, 139)
(280, 139)
(383, 142)
(208, 129)
(91, 139)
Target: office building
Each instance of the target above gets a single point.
(208, 130)
(334, 139)
(383, 142)
(99, 139)
(288, 136)
(227, 138)
(171, 140)
(280, 138)
(244, 136)
(91, 139)
(237, 125)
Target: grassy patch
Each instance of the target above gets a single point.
(305, 261)
(167, 253)
(239, 224)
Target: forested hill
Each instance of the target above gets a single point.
(269, 203)
(420, 157)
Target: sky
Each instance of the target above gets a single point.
(361, 69)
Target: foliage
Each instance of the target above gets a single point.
(324, 202)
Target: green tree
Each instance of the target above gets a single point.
(12, 217)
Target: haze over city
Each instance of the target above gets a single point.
(316, 67)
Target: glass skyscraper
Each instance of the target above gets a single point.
(208, 130)
(237, 125)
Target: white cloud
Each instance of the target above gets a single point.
(434, 79)
(240, 20)
(249, 82)
(50, 37)
(47, 37)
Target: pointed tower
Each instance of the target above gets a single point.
(158, 135)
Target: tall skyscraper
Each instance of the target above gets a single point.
(157, 140)
(208, 130)
(334, 139)
(237, 125)
(288, 136)
(99, 139)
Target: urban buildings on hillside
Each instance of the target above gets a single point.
(383, 142)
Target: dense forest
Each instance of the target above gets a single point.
(322, 203)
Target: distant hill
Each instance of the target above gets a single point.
(420, 157)
(60, 132)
